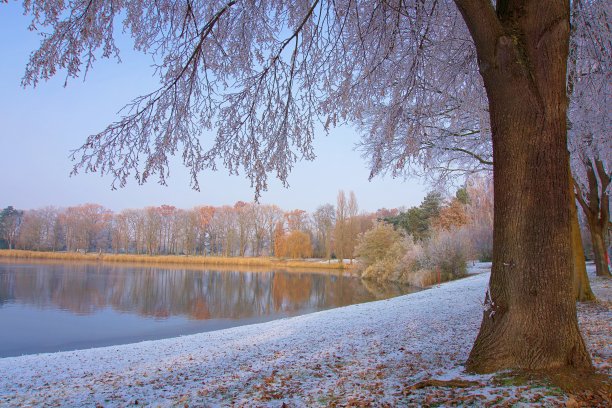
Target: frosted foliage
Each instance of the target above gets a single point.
(590, 78)
(422, 103)
(262, 74)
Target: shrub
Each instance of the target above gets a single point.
(421, 278)
(481, 238)
(385, 255)
(446, 253)
(375, 244)
(388, 268)
(379, 251)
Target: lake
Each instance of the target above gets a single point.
(53, 306)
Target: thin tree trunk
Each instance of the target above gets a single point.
(600, 251)
(595, 203)
(529, 321)
(582, 286)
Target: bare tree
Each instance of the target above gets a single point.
(259, 229)
(590, 138)
(31, 231)
(341, 227)
(225, 226)
(297, 220)
(272, 216)
(480, 213)
(264, 73)
(595, 203)
(203, 220)
(244, 221)
(136, 223)
(353, 225)
(85, 227)
(152, 230)
(120, 232)
(50, 235)
(324, 217)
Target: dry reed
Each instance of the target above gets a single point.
(173, 259)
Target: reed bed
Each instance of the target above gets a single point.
(173, 259)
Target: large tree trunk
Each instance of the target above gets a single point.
(530, 317)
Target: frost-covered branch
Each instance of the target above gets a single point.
(589, 89)
(243, 84)
(400, 70)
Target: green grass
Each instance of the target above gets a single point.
(521, 379)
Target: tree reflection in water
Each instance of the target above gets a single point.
(196, 294)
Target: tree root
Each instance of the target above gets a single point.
(454, 383)
(582, 382)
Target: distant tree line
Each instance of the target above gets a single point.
(250, 229)
(243, 229)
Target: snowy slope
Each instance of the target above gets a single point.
(364, 354)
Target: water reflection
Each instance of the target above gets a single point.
(165, 293)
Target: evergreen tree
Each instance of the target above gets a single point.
(417, 221)
(10, 221)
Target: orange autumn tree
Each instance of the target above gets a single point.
(298, 245)
(452, 215)
(294, 244)
(279, 240)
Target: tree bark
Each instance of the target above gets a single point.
(600, 250)
(530, 319)
(596, 206)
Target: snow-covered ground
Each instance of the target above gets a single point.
(360, 355)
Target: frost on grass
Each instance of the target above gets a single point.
(397, 352)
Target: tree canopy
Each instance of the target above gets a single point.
(264, 74)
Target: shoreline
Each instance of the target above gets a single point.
(176, 260)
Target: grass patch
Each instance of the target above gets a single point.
(557, 382)
(534, 380)
(510, 379)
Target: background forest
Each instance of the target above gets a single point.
(462, 222)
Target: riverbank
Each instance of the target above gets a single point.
(396, 352)
(267, 262)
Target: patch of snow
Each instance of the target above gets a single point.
(372, 353)
(476, 267)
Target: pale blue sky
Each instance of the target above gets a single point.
(39, 127)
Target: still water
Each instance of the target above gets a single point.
(48, 307)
